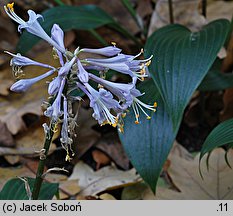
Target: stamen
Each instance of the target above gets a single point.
(148, 63)
(10, 6)
(113, 43)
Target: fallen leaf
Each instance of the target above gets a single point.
(12, 159)
(110, 144)
(219, 9)
(100, 158)
(92, 183)
(8, 173)
(32, 141)
(184, 12)
(5, 86)
(107, 196)
(86, 136)
(216, 183)
(6, 139)
(70, 187)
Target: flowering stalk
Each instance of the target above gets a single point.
(110, 102)
(40, 170)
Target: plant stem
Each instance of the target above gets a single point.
(204, 5)
(128, 5)
(41, 166)
(171, 11)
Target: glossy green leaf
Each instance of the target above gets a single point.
(83, 17)
(220, 135)
(181, 60)
(216, 80)
(14, 189)
(147, 144)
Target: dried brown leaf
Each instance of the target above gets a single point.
(6, 139)
(217, 182)
(7, 173)
(92, 183)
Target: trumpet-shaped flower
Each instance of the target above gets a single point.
(57, 35)
(54, 111)
(117, 63)
(82, 73)
(24, 84)
(102, 103)
(64, 70)
(54, 85)
(32, 25)
(106, 51)
(19, 60)
(65, 139)
(121, 90)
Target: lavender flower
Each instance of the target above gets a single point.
(63, 71)
(58, 36)
(82, 73)
(106, 51)
(121, 90)
(54, 85)
(54, 111)
(65, 139)
(32, 25)
(24, 84)
(125, 64)
(102, 102)
(109, 102)
(19, 61)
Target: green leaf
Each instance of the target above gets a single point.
(216, 80)
(148, 143)
(181, 60)
(85, 17)
(220, 135)
(14, 189)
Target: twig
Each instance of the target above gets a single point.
(171, 11)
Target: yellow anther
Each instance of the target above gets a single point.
(137, 116)
(143, 71)
(148, 117)
(142, 79)
(11, 6)
(105, 122)
(155, 104)
(121, 129)
(113, 43)
(123, 115)
(114, 125)
(148, 63)
(142, 50)
(55, 128)
(100, 86)
(136, 122)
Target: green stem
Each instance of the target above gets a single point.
(98, 37)
(171, 11)
(41, 166)
(129, 7)
(59, 2)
